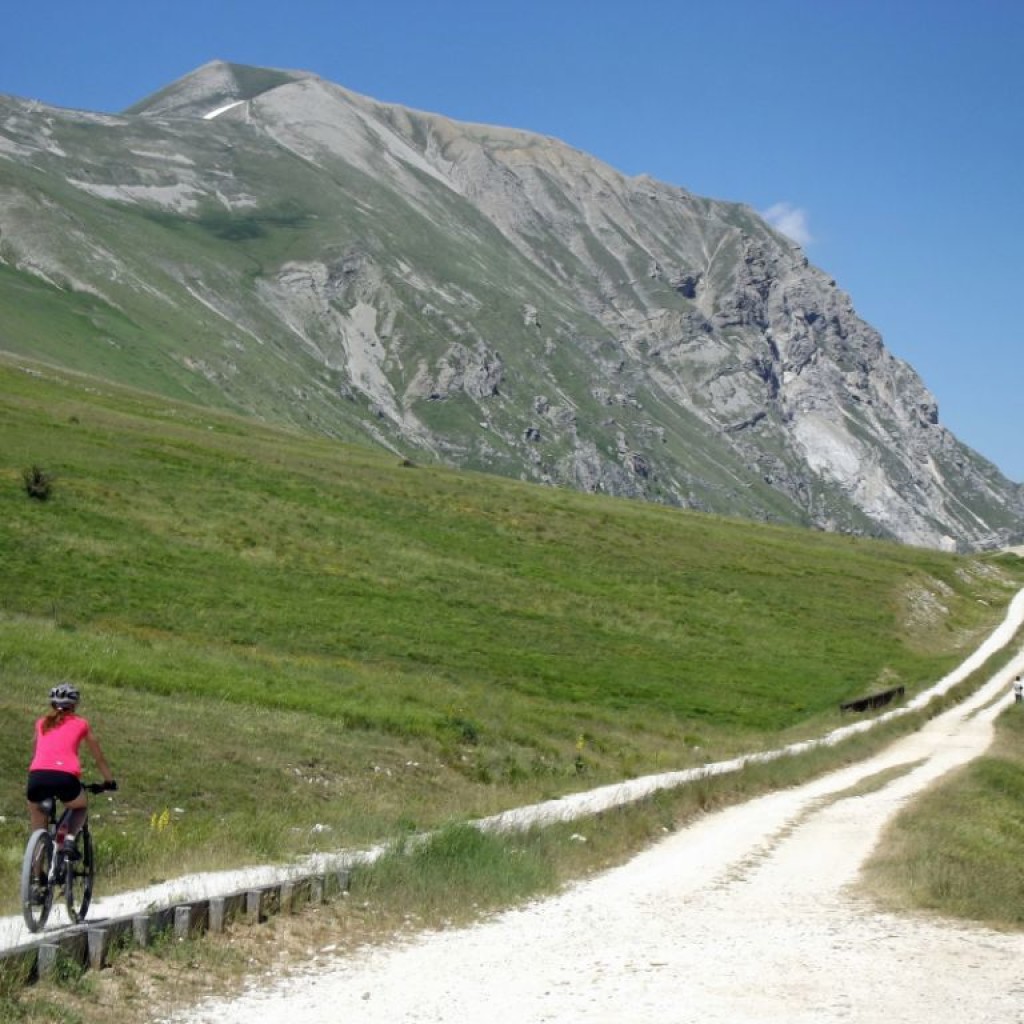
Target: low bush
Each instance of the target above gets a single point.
(38, 483)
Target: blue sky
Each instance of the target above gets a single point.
(889, 133)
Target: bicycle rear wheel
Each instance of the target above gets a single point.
(78, 878)
(36, 890)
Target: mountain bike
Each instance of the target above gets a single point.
(47, 869)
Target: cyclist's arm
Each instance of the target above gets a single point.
(97, 754)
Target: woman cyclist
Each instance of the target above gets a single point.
(55, 770)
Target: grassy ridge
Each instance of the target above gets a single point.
(287, 643)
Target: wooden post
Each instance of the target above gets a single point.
(287, 897)
(97, 948)
(182, 921)
(253, 903)
(217, 913)
(46, 959)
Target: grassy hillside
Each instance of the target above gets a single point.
(286, 643)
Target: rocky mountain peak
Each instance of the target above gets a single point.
(211, 88)
(484, 296)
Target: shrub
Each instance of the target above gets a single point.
(38, 483)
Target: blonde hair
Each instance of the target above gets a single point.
(54, 717)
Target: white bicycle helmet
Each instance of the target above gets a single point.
(64, 696)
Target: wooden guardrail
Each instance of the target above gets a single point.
(89, 944)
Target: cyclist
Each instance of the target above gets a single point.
(55, 770)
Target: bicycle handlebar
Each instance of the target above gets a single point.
(100, 787)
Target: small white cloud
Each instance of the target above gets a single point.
(790, 220)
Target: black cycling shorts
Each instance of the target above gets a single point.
(42, 784)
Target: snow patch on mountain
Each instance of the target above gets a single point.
(222, 110)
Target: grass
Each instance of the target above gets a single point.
(459, 871)
(958, 850)
(288, 644)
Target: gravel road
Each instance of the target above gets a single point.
(749, 915)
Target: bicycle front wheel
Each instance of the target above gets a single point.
(78, 878)
(36, 889)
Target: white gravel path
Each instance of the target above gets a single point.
(747, 916)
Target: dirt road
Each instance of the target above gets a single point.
(750, 915)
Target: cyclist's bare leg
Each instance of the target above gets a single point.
(77, 818)
(38, 818)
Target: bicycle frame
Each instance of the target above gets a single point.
(46, 868)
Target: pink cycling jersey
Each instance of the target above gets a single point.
(57, 749)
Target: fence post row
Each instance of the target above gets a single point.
(88, 945)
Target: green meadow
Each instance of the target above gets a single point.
(288, 644)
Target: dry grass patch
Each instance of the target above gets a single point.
(958, 850)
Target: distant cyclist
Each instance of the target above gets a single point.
(56, 770)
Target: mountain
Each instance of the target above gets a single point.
(268, 241)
